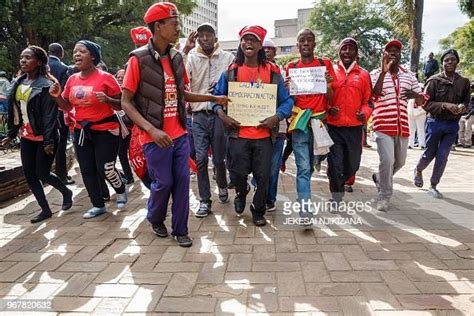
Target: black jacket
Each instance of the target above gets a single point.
(41, 109)
(58, 69)
(442, 90)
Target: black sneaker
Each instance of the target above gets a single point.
(271, 207)
(259, 220)
(239, 203)
(41, 217)
(67, 201)
(223, 195)
(348, 188)
(160, 230)
(204, 209)
(184, 241)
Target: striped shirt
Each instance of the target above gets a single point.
(390, 113)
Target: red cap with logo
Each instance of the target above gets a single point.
(140, 35)
(160, 11)
(255, 30)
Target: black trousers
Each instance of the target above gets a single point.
(123, 156)
(251, 156)
(60, 167)
(96, 159)
(37, 168)
(344, 157)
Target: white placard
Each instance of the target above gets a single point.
(309, 80)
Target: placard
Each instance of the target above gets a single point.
(251, 102)
(309, 80)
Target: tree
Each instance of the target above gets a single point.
(467, 7)
(406, 17)
(462, 39)
(41, 22)
(363, 20)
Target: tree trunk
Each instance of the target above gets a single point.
(415, 48)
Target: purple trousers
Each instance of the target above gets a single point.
(169, 172)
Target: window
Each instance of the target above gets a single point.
(286, 49)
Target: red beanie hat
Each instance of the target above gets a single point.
(140, 35)
(160, 11)
(255, 30)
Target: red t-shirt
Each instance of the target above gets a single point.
(171, 124)
(315, 102)
(80, 92)
(259, 75)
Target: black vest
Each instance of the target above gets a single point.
(150, 96)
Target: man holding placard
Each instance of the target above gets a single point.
(259, 101)
(310, 81)
(348, 112)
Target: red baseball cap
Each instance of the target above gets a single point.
(160, 11)
(255, 30)
(393, 42)
(140, 35)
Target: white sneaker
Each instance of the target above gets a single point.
(435, 193)
(382, 205)
(93, 212)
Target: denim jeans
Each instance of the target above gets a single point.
(275, 168)
(304, 157)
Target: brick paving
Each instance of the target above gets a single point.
(418, 258)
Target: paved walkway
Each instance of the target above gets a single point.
(418, 258)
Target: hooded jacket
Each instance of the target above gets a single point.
(41, 109)
(204, 72)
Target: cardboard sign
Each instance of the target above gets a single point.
(309, 80)
(251, 102)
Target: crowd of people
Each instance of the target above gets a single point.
(166, 113)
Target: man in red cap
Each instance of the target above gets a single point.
(348, 112)
(251, 146)
(393, 86)
(317, 104)
(154, 98)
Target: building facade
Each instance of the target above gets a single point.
(204, 12)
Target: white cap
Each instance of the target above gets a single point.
(268, 43)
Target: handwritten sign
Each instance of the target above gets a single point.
(309, 80)
(251, 102)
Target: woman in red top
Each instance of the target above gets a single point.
(32, 113)
(93, 95)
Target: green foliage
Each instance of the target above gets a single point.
(462, 39)
(467, 7)
(42, 22)
(363, 20)
(286, 59)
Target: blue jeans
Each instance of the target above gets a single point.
(440, 137)
(275, 168)
(304, 157)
